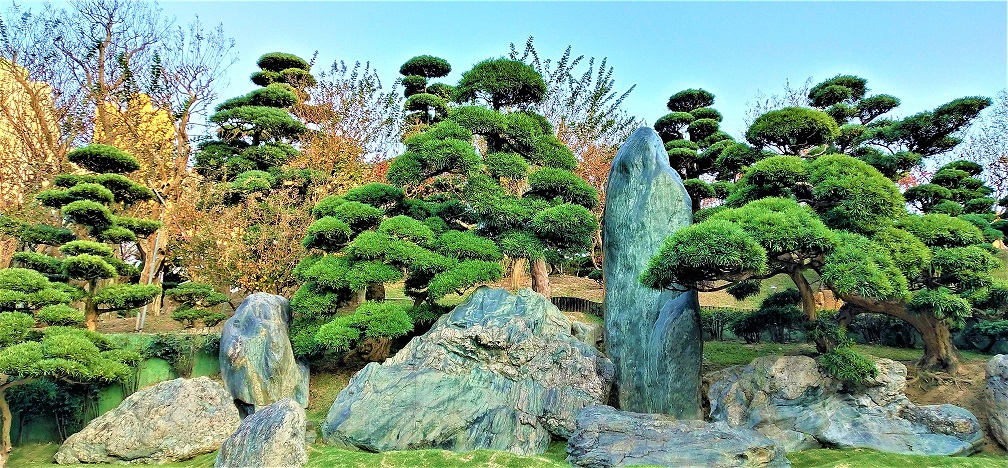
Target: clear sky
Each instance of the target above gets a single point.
(925, 53)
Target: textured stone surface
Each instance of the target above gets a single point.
(274, 436)
(501, 371)
(256, 359)
(996, 392)
(788, 399)
(170, 421)
(607, 437)
(653, 337)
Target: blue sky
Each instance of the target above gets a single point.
(925, 53)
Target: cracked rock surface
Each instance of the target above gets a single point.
(788, 399)
(167, 422)
(996, 392)
(605, 437)
(501, 371)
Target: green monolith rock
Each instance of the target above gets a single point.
(653, 337)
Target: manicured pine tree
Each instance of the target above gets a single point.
(37, 341)
(197, 302)
(521, 191)
(698, 150)
(88, 203)
(256, 131)
(425, 102)
(839, 218)
(371, 236)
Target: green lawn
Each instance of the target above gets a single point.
(825, 458)
(37, 456)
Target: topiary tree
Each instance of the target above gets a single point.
(840, 220)
(37, 341)
(197, 302)
(698, 150)
(425, 102)
(370, 236)
(256, 131)
(87, 203)
(892, 146)
(520, 192)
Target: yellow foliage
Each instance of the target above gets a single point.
(31, 147)
(138, 128)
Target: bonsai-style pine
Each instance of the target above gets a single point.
(698, 150)
(370, 236)
(520, 192)
(88, 203)
(839, 218)
(255, 131)
(425, 102)
(37, 340)
(197, 302)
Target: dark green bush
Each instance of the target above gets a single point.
(279, 61)
(847, 365)
(426, 66)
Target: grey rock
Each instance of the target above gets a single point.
(606, 437)
(274, 436)
(256, 359)
(790, 400)
(501, 371)
(167, 422)
(590, 334)
(653, 337)
(996, 392)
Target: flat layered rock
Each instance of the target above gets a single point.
(606, 437)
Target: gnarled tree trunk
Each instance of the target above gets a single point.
(517, 273)
(940, 352)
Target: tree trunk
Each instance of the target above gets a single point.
(375, 292)
(517, 273)
(808, 304)
(939, 351)
(5, 413)
(91, 308)
(940, 354)
(540, 277)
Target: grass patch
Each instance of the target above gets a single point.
(861, 458)
(733, 353)
(41, 455)
(322, 391)
(324, 457)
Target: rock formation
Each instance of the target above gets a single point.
(606, 437)
(653, 337)
(996, 392)
(274, 436)
(790, 400)
(256, 359)
(501, 371)
(170, 421)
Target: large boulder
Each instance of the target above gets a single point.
(501, 371)
(274, 436)
(256, 359)
(167, 422)
(790, 400)
(606, 437)
(996, 392)
(653, 337)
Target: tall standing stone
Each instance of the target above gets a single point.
(257, 362)
(653, 337)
